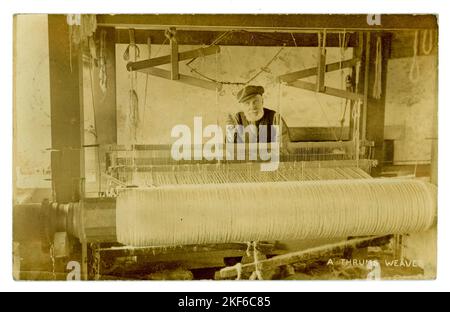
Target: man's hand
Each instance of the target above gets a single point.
(231, 120)
(230, 124)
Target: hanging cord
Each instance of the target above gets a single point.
(249, 246)
(414, 71)
(342, 49)
(265, 68)
(95, 133)
(321, 41)
(133, 96)
(356, 108)
(132, 44)
(238, 267)
(343, 42)
(378, 68)
(349, 88)
(427, 34)
(257, 274)
(217, 40)
(149, 47)
(217, 98)
(293, 39)
(102, 73)
(278, 120)
(147, 78)
(149, 53)
(356, 117)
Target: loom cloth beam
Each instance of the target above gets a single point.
(193, 214)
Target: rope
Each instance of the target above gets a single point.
(95, 125)
(321, 39)
(343, 41)
(262, 69)
(342, 49)
(293, 38)
(149, 53)
(133, 95)
(238, 267)
(257, 274)
(102, 73)
(356, 117)
(249, 246)
(427, 34)
(218, 113)
(414, 71)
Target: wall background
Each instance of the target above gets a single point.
(170, 103)
(31, 101)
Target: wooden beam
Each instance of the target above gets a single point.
(66, 107)
(234, 38)
(126, 251)
(305, 255)
(327, 90)
(175, 75)
(196, 82)
(321, 62)
(375, 116)
(288, 22)
(291, 77)
(182, 56)
(297, 134)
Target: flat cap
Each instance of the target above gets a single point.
(249, 91)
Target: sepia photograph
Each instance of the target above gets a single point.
(224, 147)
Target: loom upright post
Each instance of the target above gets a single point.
(66, 104)
(373, 110)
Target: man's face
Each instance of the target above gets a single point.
(253, 108)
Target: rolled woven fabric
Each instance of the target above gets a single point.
(223, 213)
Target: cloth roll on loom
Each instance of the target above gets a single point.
(223, 213)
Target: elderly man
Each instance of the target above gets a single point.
(253, 112)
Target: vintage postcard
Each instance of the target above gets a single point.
(225, 147)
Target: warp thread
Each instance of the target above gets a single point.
(223, 213)
(238, 268)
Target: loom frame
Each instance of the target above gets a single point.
(68, 148)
